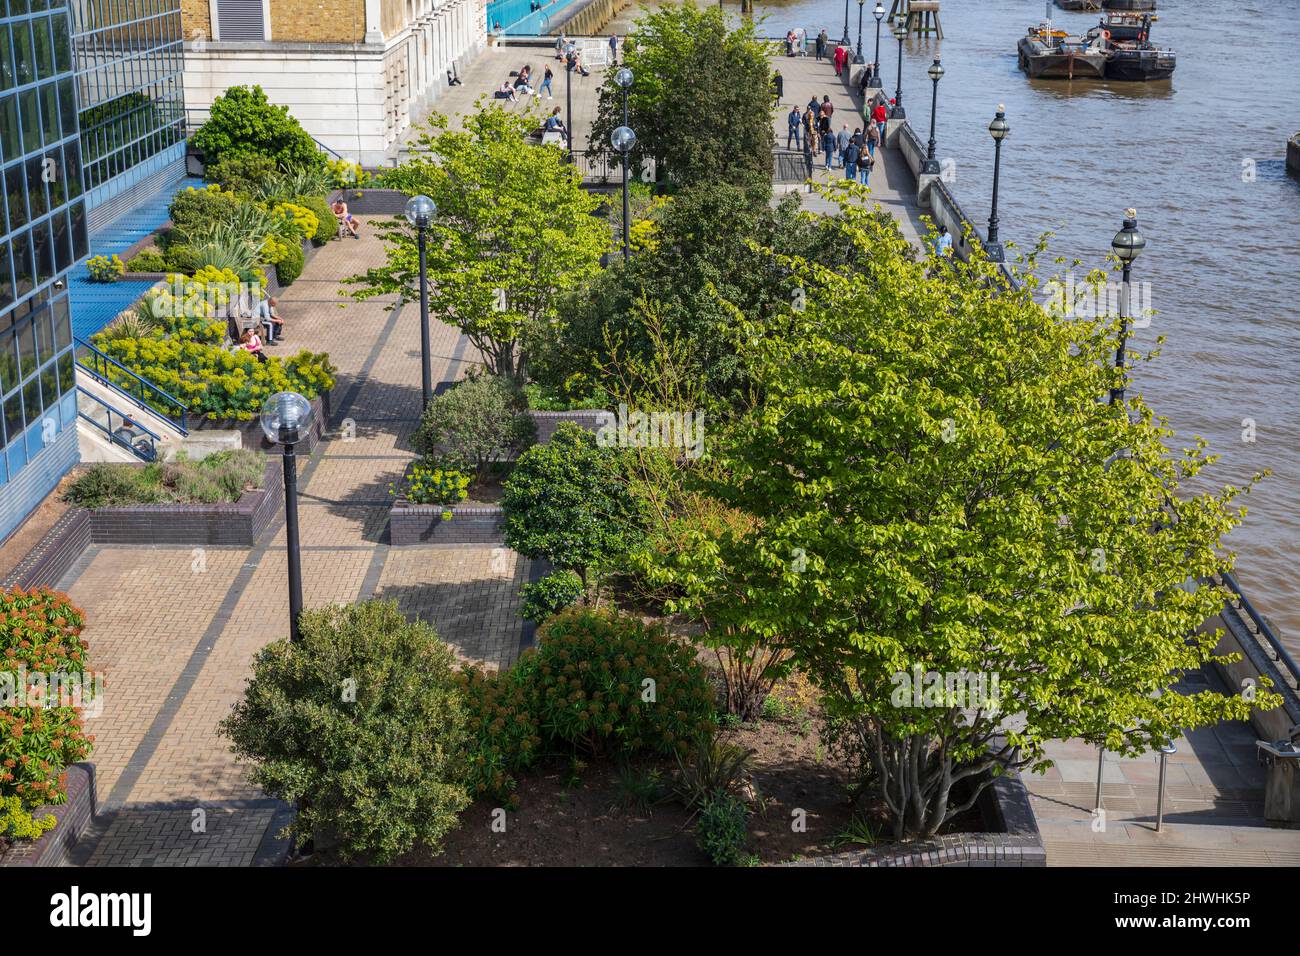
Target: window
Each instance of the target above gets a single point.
(16, 193)
(24, 55)
(240, 20)
(11, 146)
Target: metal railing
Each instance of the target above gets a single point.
(597, 166)
(789, 166)
(1259, 628)
(116, 376)
(120, 427)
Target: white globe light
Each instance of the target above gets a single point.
(420, 211)
(623, 77)
(284, 416)
(623, 139)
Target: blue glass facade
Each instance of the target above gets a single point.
(43, 233)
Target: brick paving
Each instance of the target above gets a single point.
(176, 628)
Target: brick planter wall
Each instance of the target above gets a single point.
(253, 439)
(547, 422)
(240, 523)
(1012, 839)
(54, 554)
(53, 848)
(371, 202)
(423, 524)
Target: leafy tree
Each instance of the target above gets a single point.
(568, 501)
(243, 121)
(478, 423)
(514, 230)
(701, 104)
(935, 481)
(362, 726)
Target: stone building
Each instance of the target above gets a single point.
(354, 72)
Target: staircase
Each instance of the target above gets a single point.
(122, 416)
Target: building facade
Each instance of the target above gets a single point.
(353, 72)
(43, 234)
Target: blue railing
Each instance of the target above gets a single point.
(120, 427)
(122, 380)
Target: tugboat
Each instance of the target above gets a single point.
(1047, 53)
(1130, 54)
(1084, 5)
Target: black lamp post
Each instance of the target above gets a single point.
(623, 139)
(857, 56)
(1128, 242)
(900, 34)
(844, 40)
(879, 14)
(931, 165)
(998, 129)
(420, 211)
(624, 79)
(568, 96)
(285, 416)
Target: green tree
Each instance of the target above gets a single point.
(935, 481)
(568, 501)
(243, 121)
(514, 230)
(362, 726)
(701, 103)
(478, 423)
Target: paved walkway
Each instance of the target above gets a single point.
(176, 628)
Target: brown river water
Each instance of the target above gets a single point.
(1202, 158)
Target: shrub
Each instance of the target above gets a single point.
(135, 322)
(303, 220)
(17, 823)
(567, 501)
(345, 174)
(242, 121)
(221, 477)
(296, 182)
(40, 634)
(105, 268)
(148, 260)
(326, 223)
(710, 769)
(362, 726)
(243, 173)
(505, 735)
(291, 264)
(430, 485)
(608, 684)
(551, 594)
(194, 210)
(480, 422)
(182, 258)
(722, 829)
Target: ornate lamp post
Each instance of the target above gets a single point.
(900, 34)
(857, 56)
(285, 416)
(1128, 243)
(623, 139)
(879, 14)
(936, 74)
(998, 129)
(420, 211)
(844, 40)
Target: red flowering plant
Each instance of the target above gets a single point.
(44, 684)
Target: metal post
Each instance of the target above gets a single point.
(875, 67)
(993, 214)
(1160, 796)
(844, 40)
(857, 57)
(291, 537)
(1117, 394)
(1101, 762)
(625, 106)
(426, 364)
(898, 92)
(934, 103)
(568, 96)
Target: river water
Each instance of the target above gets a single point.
(1202, 158)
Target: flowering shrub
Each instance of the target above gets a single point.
(105, 268)
(39, 635)
(345, 174)
(430, 485)
(303, 219)
(503, 729)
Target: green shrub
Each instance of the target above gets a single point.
(545, 399)
(326, 223)
(194, 210)
(722, 829)
(710, 769)
(243, 173)
(345, 174)
(105, 268)
(568, 501)
(18, 823)
(183, 259)
(505, 737)
(361, 725)
(147, 260)
(291, 264)
(242, 120)
(550, 595)
(480, 422)
(40, 633)
(221, 477)
(431, 485)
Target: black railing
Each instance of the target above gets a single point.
(120, 427)
(597, 166)
(789, 166)
(121, 379)
(1260, 628)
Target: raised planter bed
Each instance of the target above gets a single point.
(410, 523)
(54, 847)
(253, 438)
(238, 523)
(590, 419)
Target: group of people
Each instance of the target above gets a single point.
(253, 311)
(523, 85)
(814, 130)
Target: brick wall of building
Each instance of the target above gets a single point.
(196, 22)
(318, 21)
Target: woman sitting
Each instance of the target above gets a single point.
(253, 343)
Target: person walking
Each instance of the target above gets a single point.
(827, 107)
(850, 159)
(808, 159)
(778, 86)
(879, 115)
(822, 41)
(828, 145)
(841, 54)
(865, 162)
(873, 137)
(794, 121)
(809, 124)
(842, 142)
(547, 77)
(613, 49)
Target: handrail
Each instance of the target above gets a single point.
(127, 420)
(1262, 626)
(180, 423)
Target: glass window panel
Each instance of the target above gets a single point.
(50, 390)
(80, 241)
(50, 114)
(39, 5)
(29, 120)
(17, 452)
(6, 58)
(43, 248)
(68, 107)
(35, 431)
(43, 48)
(8, 362)
(17, 8)
(11, 146)
(26, 350)
(6, 277)
(22, 253)
(67, 373)
(44, 336)
(37, 201)
(62, 43)
(16, 196)
(62, 242)
(24, 55)
(72, 169)
(54, 166)
(32, 401)
(68, 403)
(62, 323)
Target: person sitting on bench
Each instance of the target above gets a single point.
(453, 79)
(340, 210)
(507, 92)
